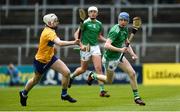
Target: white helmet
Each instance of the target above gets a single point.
(50, 18)
(92, 8)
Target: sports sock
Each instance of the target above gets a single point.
(101, 87)
(94, 76)
(136, 94)
(72, 76)
(24, 93)
(64, 92)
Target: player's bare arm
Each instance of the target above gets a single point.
(132, 53)
(76, 33)
(59, 42)
(102, 38)
(113, 48)
(76, 36)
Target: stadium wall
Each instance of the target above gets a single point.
(147, 74)
(51, 77)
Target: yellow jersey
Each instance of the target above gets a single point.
(46, 45)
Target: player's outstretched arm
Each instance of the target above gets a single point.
(59, 42)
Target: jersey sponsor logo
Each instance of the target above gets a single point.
(123, 33)
(94, 26)
(117, 30)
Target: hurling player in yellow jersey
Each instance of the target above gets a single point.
(45, 59)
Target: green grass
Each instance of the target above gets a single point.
(41, 98)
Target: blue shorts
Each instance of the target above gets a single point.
(43, 67)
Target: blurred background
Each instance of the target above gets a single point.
(156, 42)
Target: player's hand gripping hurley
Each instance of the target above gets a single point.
(82, 15)
(136, 25)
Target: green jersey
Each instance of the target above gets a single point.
(90, 32)
(117, 35)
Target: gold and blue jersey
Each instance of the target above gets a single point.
(46, 45)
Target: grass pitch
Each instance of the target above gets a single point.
(47, 98)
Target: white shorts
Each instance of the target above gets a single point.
(94, 50)
(110, 65)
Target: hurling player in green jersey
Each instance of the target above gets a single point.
(117, 36)
(91, 34)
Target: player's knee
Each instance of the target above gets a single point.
(82, 70)
(132, 75)
(35, 80)
(67, 74)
